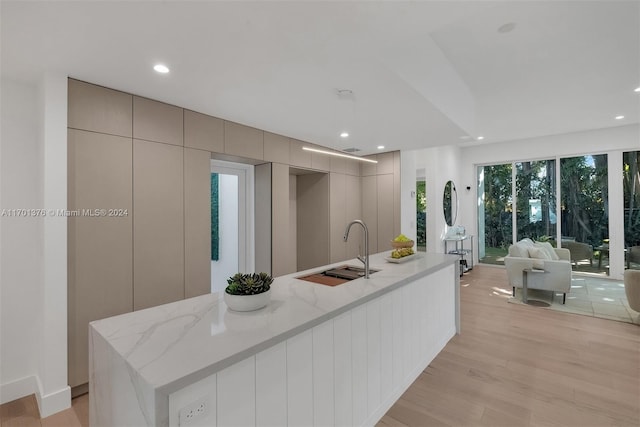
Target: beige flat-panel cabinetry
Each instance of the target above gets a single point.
(99, 109)
(100, 247)
(312, 220)
(281, 253)
(243, 141)
(337, 217)
(369, 209)
(197, 222)
(158, 224)
(381, 199)
(152, 160)
(353, 210)
(344, 203)
(154, 246)
(385, 211)
(157, 121)
(203, 132)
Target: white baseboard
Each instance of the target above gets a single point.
(48, 404)
(54, 402)
(19, 388)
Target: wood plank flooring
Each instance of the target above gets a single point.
(512, 365)
(24, 413)
(516, 365)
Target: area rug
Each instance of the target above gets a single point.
(589, 296)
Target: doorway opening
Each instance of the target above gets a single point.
(232, 221)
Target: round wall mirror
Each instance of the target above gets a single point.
(450, 203)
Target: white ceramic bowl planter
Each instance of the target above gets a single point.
(247, 302)
(248, 291)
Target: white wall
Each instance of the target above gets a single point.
(21, 241)
(441, 164)
(408, 169)
(34, 251)
(54, 394)
(612, 141)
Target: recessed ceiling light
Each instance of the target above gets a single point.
(160, 68)
(506, 28)
(380, 147)
(344, 93)
(465, 137)
(637, 89)
(480, 138)
(619, 117)
(344, 135)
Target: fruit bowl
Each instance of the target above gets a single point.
(398, 245)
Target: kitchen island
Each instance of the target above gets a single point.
(316, 355)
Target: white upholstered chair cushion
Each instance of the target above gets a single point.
(538, 255)
(548, 249)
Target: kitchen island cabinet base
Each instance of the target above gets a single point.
(347, 370)
(301, 381)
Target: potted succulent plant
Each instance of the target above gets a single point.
(248, 291)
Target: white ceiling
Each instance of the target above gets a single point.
(423, 73)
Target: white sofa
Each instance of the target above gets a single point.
(555, 262)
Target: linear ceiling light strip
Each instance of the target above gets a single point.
(331, 153)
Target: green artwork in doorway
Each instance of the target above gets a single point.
(215, 205)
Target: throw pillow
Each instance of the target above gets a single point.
(526, 241)
(519, 250)
(538, 255)
(546, 246)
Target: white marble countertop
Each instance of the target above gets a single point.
(174, 345)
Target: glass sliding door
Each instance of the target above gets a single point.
(631, 188)
(585, 212)
(494, 213)
(536, 216)
(578, 216)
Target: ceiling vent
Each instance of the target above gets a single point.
(351, 150)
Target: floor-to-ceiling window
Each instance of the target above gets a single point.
(584, 199)
(631, 188)
(578, 215)
(495, 225)
(536, 216)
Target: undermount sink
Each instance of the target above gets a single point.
(337, 275)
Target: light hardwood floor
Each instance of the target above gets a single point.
(512, 365)
(516, 365)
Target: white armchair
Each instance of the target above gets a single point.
(526, 254)
(632, 288)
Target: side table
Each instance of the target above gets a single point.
(525, 299)
(466, 263)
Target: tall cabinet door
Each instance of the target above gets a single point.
(197, 222)
(100, 281)
(158, 224)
